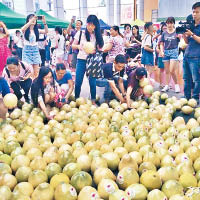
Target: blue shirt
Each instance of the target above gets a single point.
(4, 88)
(65, 78)
(193, 47)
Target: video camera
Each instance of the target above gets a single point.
(188, 25)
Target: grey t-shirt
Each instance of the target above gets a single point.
(170, 40)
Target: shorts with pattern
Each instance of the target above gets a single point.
(170, 54)
(31, 55)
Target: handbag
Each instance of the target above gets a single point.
(93, 65)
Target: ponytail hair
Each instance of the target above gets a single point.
(116, 28)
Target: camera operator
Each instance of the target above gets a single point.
(191, 62)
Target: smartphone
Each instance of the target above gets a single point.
(73, 18)
(39, 17)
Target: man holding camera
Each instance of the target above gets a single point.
(191, 62)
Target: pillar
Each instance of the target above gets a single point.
(110, 12)
(58, 9)
(117, 12)
(140, 9)
(83, 10)
(29, 7)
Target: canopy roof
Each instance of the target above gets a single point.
(103, 25)
(52, 22)
(137, 22)
(12, 19)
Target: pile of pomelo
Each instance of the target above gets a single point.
(107, 152)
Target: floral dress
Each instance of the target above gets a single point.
(4, 52)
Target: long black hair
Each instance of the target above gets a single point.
(136, 27)
(38, 86)
(99, 39)
(36, 31)
(161, 28)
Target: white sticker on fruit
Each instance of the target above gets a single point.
(12, 132)
(125, 133)
(120, 179)
(73, 192)
(124, 198)
(184, 159)
(94, 196)
(131, 193)
(110, 188)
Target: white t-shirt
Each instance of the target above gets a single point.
(32, 39)
(147, 41)
(82, 54)
(61, 42)
(18, 41)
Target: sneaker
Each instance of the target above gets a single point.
(165, 89)
(177, 88)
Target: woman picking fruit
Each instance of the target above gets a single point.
(43, 90)
(134, 90)
(18, 75)
(64, 78)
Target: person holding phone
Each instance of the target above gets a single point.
(30, 53)
(18, 74)
(71, 33)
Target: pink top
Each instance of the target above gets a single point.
(23, 72)
(118, 47)
(82, 54)
(4, 52)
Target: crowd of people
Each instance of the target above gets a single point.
(44, 70)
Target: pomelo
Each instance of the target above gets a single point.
(65, 191)
(10, 100)
(151, 180)
(81, 179)
(127, 176)
(106, 187)
(137, 192)
(58, 178)
(172, 187)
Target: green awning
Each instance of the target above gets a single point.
(12, 19)
(52, 22)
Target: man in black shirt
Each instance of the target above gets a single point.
(113, 77)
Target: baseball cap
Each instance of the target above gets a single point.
(140, 72)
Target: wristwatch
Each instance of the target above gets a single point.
(192, 35)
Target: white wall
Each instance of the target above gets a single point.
(175, 8)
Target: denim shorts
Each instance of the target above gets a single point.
(147, 58)
(170, 54)
(160, 63)
(31, 55)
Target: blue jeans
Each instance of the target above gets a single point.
(80, 72)
(191, 76)
(102, 82)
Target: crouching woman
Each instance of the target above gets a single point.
(43, 90)
(18, 75)
(134, 91)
